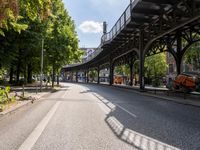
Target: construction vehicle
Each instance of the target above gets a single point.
(118, 79)
(187, 82)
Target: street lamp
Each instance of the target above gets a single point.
(41, 69)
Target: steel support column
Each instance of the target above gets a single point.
(87, 78)
(72, 76)
(178, 54)
(85, 74)
(98, 72)
(76, 76)
(141, 59)
(131, 74)
(111, 73)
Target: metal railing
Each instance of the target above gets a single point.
(124, 19)
(119, 26)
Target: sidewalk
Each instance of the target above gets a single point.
(163, 93)
(30, 93)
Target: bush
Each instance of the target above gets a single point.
(157, 82)
(4, 96)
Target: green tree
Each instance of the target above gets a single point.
(192, 56)
(20, 48)
(92, 74)
(62, 41)
(155, 67)
(122, 70)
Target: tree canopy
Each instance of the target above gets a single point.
(155, 68)
(24, 24)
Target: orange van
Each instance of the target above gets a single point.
(118, 79)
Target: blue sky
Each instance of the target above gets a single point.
(89, 15)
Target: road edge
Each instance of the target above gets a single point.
(17, 107)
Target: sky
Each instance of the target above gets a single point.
(89, 15)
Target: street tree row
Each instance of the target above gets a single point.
(24, 24)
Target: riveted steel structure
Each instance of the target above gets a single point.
(147, 27)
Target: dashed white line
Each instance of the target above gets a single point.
(113, 104)
(64, 94)
(133, 115)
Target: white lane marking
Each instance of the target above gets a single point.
(133, 115)
(64, 94)
(33, 137)
(109, 103)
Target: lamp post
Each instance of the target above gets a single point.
(41, 69)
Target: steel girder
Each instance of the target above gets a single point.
(152, 26)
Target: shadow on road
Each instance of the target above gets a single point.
(126, 129)
(130, 128)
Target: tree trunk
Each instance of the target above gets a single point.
(57, 79)
(29, 78)
(25, 76)
(11, 75)
(19, 65)
(18, 71)
(53, 76)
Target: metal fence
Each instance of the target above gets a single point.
(120, 24)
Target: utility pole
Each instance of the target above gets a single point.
(41, 71)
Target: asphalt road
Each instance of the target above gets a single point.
(91, 117)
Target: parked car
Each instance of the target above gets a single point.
(187, 82)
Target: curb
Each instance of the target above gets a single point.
(17, 107)
(14, 109)
(184, 101)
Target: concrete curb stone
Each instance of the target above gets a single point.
(180, 101)
(20, 105)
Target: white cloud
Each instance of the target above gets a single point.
(91, 27)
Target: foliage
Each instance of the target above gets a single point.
(13, 11)
(92, 73)
(8, 14)
(155, 68)
(119, 70)
(122, 70)
(192, 56)
(22, 31)
(4, 96)
(62, 42)
(2, 73)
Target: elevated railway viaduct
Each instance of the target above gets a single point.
(147, 27)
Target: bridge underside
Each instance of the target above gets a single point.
(147, 27)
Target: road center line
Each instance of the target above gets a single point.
(133, 115)
(99, 98)
(33, 137)
(64, 94)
